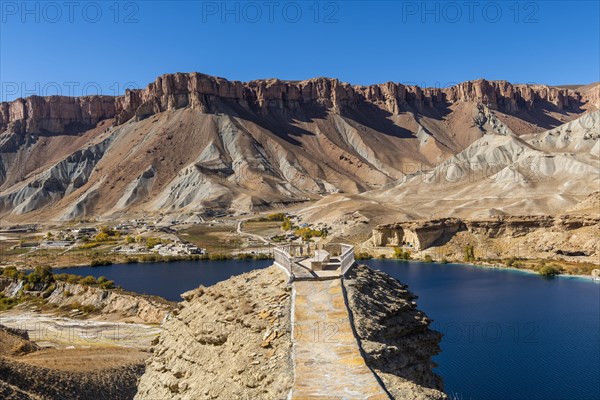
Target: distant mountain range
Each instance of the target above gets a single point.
(190, 143)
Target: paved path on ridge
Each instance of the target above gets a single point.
(327, 359)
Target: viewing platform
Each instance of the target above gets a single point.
(329, 366)
(315, 261)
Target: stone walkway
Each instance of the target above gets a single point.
(302, 272)
(327, 359)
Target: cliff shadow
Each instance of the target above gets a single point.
(377, 119)
(282, 121)
(539, 116)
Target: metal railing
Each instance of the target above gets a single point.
(283, 260)
(347, 258)
(287, 255)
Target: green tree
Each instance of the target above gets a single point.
(287, 224)
(41, 274)
(101, 237)
(549, 270)
(88, 280)
(469, 253)
(276, 217)
(151, 242)
(10, 272)
(401, 253)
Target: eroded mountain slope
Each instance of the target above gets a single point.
(189, 142)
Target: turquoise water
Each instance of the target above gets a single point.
(507, 334)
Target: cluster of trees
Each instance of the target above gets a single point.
(308, 233)
(12, 272)
(277, 217)
(402, 254)
(43, 276)
(89, 280)
(107, 233)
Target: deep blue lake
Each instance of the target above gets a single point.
(507, 334)
(170, 279)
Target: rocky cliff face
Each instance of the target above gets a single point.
(423, 234)
(504, 96)
(59, 114)
(197, 90)
(213, 143)
(567, 237)
(394, 335)
(55, 114)
(419, 235)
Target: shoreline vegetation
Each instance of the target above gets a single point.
(103, 249)
(543, 268)
(43, 280)
(37, 286)
(547, 268)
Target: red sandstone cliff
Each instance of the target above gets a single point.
(57, 114)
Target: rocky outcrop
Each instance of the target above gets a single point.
(421, 235)
(228, 341)
(591, 95)
(509, 226)
(233, 340)
(395, 337)
(147, 309)
(515, 226)
(568, 237)
(418, 235)
(60, 114)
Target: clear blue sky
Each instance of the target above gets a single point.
(50, 47)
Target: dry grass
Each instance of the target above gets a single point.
(267, 228)
(219, 238)
(83, 360)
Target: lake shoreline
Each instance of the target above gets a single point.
(530, 271)
(486, 266)
(494, 267)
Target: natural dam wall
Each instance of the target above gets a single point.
(234, 339)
